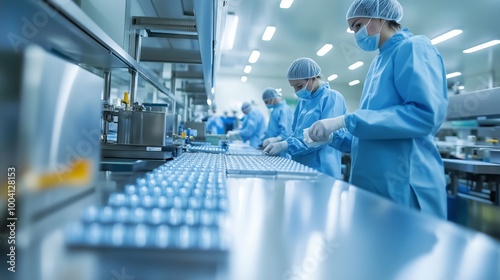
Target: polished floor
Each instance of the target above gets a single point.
(475, 214)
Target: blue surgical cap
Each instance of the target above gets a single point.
(245, 106)
(384, 9)
(303, 68)
(270, 93)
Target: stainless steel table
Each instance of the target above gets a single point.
(326, 229)
(283, 229)
(491, 170)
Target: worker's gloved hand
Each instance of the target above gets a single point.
(311, 144)
(321, 130)
(276, 148)
(271, 140)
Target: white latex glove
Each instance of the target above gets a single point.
(276, 148)
(271, 140)
(321, 130)
(311, 144)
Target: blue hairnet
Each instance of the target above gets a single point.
(245, 106)
(270, 93)
(384, 9)
(303, 68)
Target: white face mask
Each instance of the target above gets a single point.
(366, 42)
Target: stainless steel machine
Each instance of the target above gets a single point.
(469, 143)
(142, 133)
(50, 139)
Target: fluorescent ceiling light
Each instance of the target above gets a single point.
(446, 36)
(254, 56)
(209, 102)
(229, 32)
(167, 71)
(244, 78)
(247, 69)
(353, 83)
(285, 4)
(349, 30)
(268, 33)
(356, 65)
(482, 46)
(332, 77)
(324, 50)
(213, 90)
(452, 75)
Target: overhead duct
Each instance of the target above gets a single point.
(167, 27)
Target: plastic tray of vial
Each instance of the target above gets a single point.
(199, 143)
(206, 149)
(180, 205)
(266, 166)
(244, 151)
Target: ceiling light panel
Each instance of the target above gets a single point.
(332, 77)
(254, 56)
(482, 46)
(446, 36)
(356, 65)
(268, 33)
(453, 75)
(285, 4)
(353, 83)
(324, 50)
(229, 32)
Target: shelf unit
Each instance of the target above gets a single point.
(62, 28)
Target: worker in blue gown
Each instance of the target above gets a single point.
(316, 101)
(252, 127)
(215, 123)
(279, 126)
(402, 106)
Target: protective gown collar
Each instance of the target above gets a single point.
(401, 35)
(320, 90)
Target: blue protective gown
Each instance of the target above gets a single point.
(253, 126)
(403, 104)
(215, 125)
(280, 122)
(324, 103)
